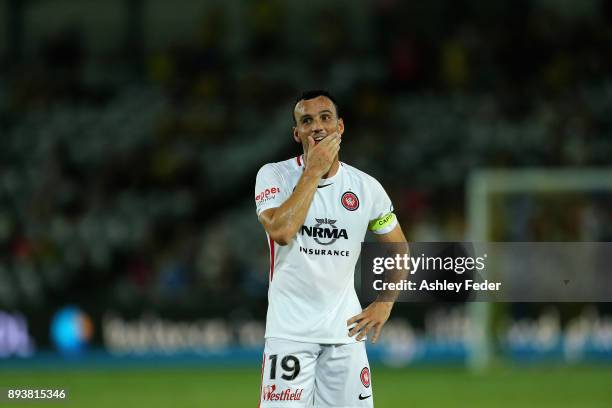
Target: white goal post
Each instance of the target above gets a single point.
(481, 185)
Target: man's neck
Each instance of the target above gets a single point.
(333, 169)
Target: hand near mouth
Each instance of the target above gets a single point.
(322, 153)
(318, 139)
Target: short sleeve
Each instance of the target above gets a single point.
(270, 190)
(382, 219)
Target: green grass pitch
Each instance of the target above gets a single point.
(540, 387)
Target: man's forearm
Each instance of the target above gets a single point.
(290, 216)
(395, 275)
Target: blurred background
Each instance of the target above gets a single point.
(132, 264)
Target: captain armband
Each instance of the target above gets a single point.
(383, 224)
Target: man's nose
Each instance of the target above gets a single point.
(317, 127)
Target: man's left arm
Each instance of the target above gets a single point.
(374, 317)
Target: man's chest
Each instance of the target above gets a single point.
(337, 214)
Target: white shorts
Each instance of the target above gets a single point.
(296, 374)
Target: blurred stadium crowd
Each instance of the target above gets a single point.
(127, 177)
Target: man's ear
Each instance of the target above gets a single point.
(340, 126)
(295, 135)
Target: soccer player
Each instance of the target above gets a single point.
(316, 211)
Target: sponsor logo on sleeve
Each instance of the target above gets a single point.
(266, 195)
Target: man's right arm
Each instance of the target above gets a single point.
(282, 223)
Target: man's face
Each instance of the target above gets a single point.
(315, 117)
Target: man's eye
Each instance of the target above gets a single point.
(325, 117)
(306, 121)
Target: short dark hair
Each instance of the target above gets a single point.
(315, 93)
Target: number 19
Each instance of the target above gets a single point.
(290, 364)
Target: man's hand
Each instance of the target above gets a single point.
(372, 317)
(320, 157)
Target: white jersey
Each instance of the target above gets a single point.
(312, 293)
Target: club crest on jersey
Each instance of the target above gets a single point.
(365, 377)
(325, 232)
(350, 201)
